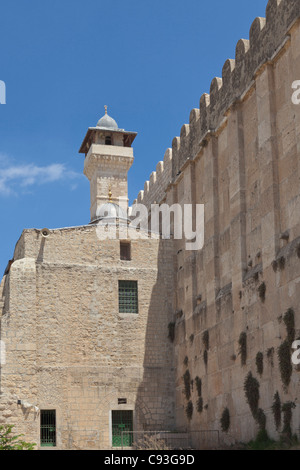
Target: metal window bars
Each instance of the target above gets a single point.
(48, 428)
(128, 297)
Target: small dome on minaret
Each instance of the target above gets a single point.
(107, 122)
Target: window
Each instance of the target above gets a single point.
(108, 140)
(128, 297)
(125, 251)
(122, 427)
(48, 428)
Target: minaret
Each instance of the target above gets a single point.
(108, 157)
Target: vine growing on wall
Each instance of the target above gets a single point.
(287, 418)
(205, 357)
(243, 347)
(198, 382)
(285, 363)
(205, 339)
(189, 410)
(262, 291)
(225, 420)
(270, 356)
(251, 388)
(284, 350)
(276, 410)
(187, 384)
(261, 419)
(259, 360)
(171, 334)
(289, 321)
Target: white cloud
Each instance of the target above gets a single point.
(14, 178)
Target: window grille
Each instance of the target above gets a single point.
(122, 423)
(128, 297)
(48, 428)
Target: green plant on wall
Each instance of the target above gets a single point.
(285, 363)
(198, 383)
(289, 321)
(205, 357)
(205, 339)
(284, 350)
(287, 418)
(270, 356)
(171, 334)
(262, 291)
(243, 347)
(251, 388)
(189, 410)
(276, 409)
(261, 419)
(11, 441)
(187, 384)
(259, 360)
(200, 405)
(225, 420)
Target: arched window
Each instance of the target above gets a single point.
(108, 140)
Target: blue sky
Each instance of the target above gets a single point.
(62, 61)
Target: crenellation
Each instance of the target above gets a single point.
(140, 197)
(265, 36)
(256, 33)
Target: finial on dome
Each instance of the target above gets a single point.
(109, 195)
(105, 107)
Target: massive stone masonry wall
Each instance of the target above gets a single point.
(239, 156)
(67, 346)
(266, 35)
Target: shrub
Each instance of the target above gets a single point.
(276, 409)
(205, 339)
(225, 420)
(189, 410)
(171, 328)
(259, 363)
(200, 405)
(187, 384)
(243, 347)
(287, 418)
(289, 322)
(285, 363)
(262, 291)
(261, 419)
(8, 441)
(251, 388)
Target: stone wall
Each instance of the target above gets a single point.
(67, 346)
(239, 156)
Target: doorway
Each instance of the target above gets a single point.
(122, 427)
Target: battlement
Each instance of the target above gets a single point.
(266, 37)
(154, 189)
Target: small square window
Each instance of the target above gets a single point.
(128, 297)
(125, 251)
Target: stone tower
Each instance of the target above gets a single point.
(108, 157)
